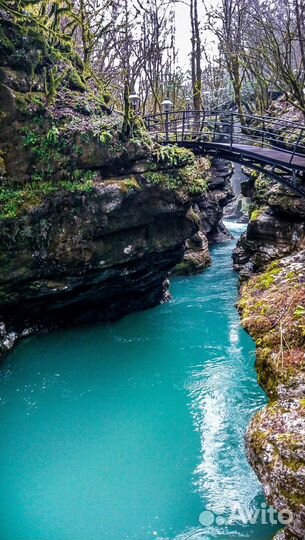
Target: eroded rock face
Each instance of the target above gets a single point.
(276, 228)
(276, 450)
(196, 256)
(210, 209)
(272, 308)
(92, 218)
(90, 256)
(208, 213)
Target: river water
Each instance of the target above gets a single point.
(134, 431)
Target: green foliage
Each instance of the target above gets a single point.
(262, 189)
(175, 156)
(2, 165)
(16, 200)
(105, 137)
(185, 180)
(52, 136)
(75, 187)
(255, 214)
(48, 148)
(75, 80)
(267, 278)
(130, 184)
(6, 45)
(299, 312)
(10, 200)
(31, 138)
(193, 181)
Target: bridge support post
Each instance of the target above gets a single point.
(167, 125)
(231, 131)
(183, 125)
(215, 128)
(294, 178)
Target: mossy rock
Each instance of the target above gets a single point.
(187, 179)
(75, 81)
(26, 102)
(2, 165)
(6, 45)
(129, 184)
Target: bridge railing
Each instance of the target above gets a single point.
(228, 128)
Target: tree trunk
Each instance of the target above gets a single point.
(196, 56)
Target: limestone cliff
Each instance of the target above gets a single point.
(208, 210)
(276, 227)
(273, 311)
(272, 308)
(94, 255)
(91, 220)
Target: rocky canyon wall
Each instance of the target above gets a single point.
(272, 306)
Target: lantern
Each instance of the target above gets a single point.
(167, 105)
(135, 101)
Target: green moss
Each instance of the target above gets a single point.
(258, 440)
(29, 103)
(256, 213)
(106, 137)
(293, 464)
(2, 165)
(75, 81)
(295, 500)
(182, 268)
(185, 180)
(47, 148)
(175, 156)
(267, 278)
(185, 268)
(14, 201)
(6, 45)
(129, 184)
(37, 36)
(262, 188)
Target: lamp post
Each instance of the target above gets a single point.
(206, 100)
(134, 100)
(167, 106)
(188, 102)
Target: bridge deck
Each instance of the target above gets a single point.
(279, 157)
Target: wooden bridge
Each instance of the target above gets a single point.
(273, 146)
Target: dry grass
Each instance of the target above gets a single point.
(273, 312)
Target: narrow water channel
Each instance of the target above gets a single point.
(130, 431)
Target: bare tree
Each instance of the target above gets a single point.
(196, 54)
(276, 40)
(228, 22)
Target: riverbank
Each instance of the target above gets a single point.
(273, 312)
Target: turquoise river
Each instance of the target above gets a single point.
(134, 431)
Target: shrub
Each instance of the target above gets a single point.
(175, 156)
(186, 180)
